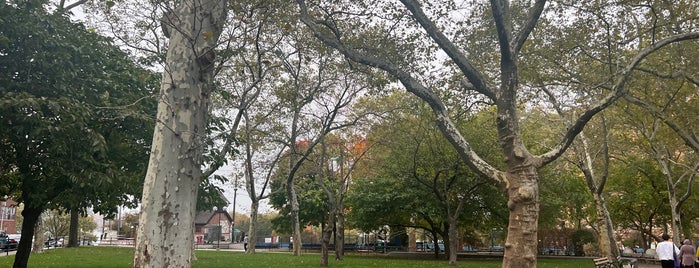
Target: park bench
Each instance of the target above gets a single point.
(607, 263)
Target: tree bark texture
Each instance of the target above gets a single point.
(340, 232)
(74, 224)
(296, 226)
(326, 234)
(31, 216)
(607, 242)
(523, 204)
(453, 240)
(252, 236)
(174, 170)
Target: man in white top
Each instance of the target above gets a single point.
(245, 243)
(666, 252)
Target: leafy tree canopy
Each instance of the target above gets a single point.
(75, 113)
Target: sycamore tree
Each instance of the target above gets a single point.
(484, 49)
(174, 169)
(315, 92)
(667, 70)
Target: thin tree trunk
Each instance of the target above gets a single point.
(37, 246)
(174, 170)
(296, 226)
(327, 233)
(73, 229)
(675, 206)
(340, 233)
(31, 216)
(252, 233)
(435, 242)
(452, 240)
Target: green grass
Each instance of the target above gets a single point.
(106, 257)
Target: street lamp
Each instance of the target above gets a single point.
(235, 196)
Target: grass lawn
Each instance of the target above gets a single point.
(106, 257)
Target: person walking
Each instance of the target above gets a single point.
(245, 243)
(666, 252)
(687, 255)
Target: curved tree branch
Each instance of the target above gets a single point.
(413, 86)
(475, 78)
(689, 138)
(618, 90)
(532, 18)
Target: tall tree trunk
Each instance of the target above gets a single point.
(327, 233)
(523, 205)
(252, 233)
(296, 226)
(174, 170)
(37, 246)
(340, 233)
(676, 206)
(31, 216)
(451, 241)
(607, 242)
(73, 229)
(596, 178)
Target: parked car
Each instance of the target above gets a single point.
(7, 243)
(497, 248)
(52, 243)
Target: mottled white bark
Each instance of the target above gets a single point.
(174, 171)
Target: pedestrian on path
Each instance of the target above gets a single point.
(687, 255)
(667, 251)
(245, 243)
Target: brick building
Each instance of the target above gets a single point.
(8, 216)
(207, 224)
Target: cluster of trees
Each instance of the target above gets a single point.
(303, 97)
(75, 119)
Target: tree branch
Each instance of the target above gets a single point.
(413, 86)
(618, 90)
(474, 77)
(503, 23)
(532, 18)
(689, 138)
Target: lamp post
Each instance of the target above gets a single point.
(235, 196)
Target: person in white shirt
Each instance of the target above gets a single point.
(666, 252)
(245, 243)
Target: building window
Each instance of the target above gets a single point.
(7, 213)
